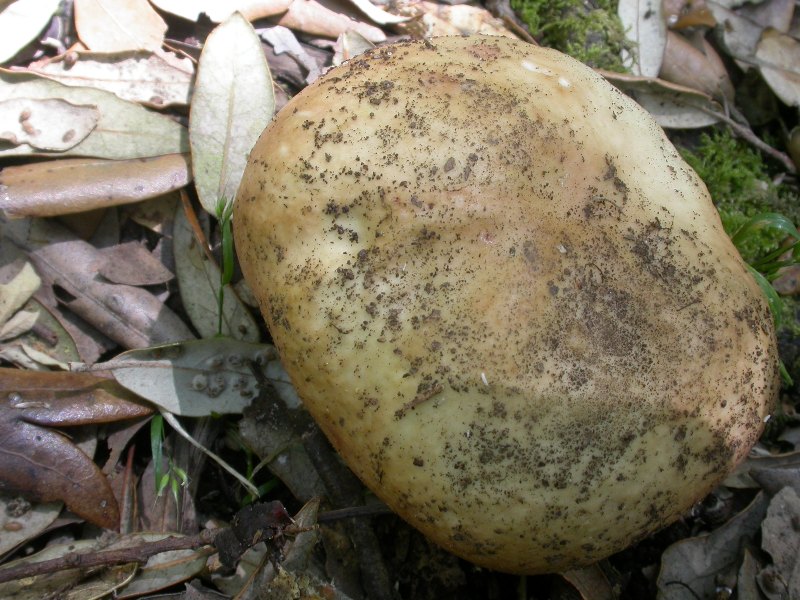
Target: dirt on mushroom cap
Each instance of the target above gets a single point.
(505, 298)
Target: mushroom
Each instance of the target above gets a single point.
(505, 299)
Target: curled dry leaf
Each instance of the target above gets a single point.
(778, 57)
(670, 104)
(117, 25)
(20, 22)
(233, 102)
(219, 11)
(46, 465)
(46, 189)
(377, 15)
(124, 129)
(348, 45)
(314, 18)
(155, 79)
(698, 68)
(49, 124)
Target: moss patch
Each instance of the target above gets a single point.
(589, 31)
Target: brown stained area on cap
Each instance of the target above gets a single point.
(506, 300)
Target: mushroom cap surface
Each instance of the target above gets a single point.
(505, 299)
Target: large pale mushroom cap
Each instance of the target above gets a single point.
(505, 298)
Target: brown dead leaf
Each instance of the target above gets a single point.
(131, 316)
(778, 57)
(313, 18)
(44, 464)
(132, 264)
(118, 25)
(71, 185)
(696, 66)
(781, 539)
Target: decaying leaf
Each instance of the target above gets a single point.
(377, 15)
(780, 538)
(118, 25)
(45, 464)
(348, 45)
(315, 18)
(430, 19)
(282, 39)
(219, 11)
(132, 264)
(21, 520)
(131, 316)
(44, 189)
(199, 281)
(646, 27)
(124, 129)
(15, 293)
(778, 57)
(738, 34)
(197, 378)
(48, 124)
(21, 21)
(696, 66)
(670, 104)
(233, 102)
(689, 568)
(157, 79)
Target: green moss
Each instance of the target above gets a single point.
(739, 183)
(587, 30)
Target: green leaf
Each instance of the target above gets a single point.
(772, 221)
(232, 104)
(774, 300)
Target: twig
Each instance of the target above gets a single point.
(85, 560)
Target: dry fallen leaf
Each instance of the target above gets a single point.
(696, 67)
(48, 124)
(646, 27)
(124, 129)
(21, 21)
(670, 104)
(45, 189)
(15, 293)
(313, 18)
(432, 19)
(117, 25)
(219, 11)
(131, 264)
(157, 79)
(233, 102)
(779, 537)
(689, 568)
(199, 280)
(778, 57)
(44, 464)
(131, 316)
